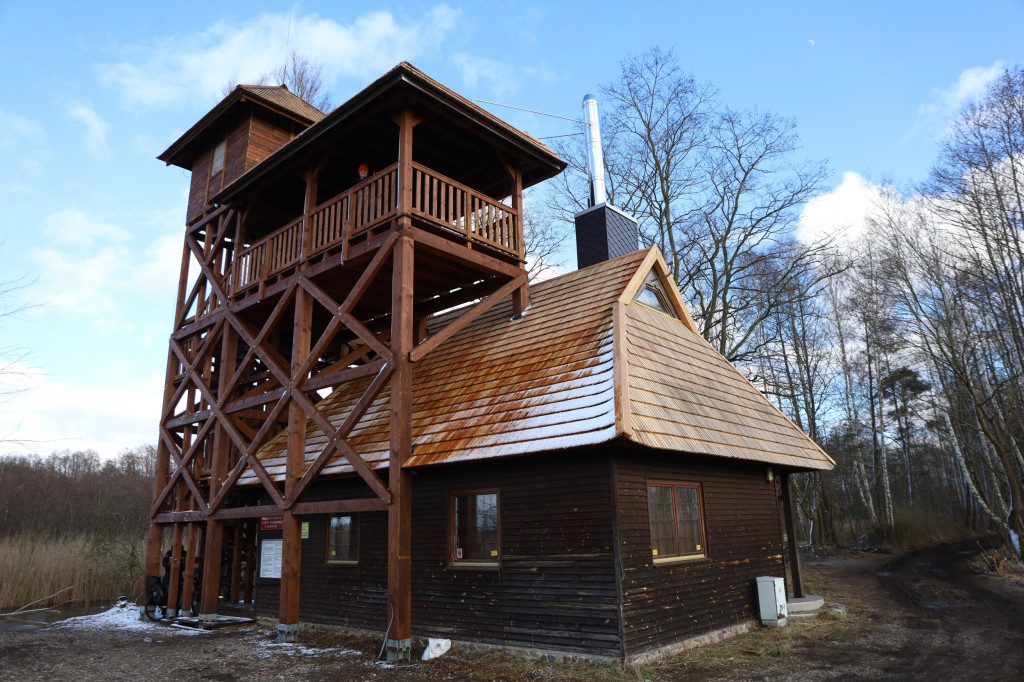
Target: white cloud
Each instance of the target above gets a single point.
(71, 227)
(840, 215)
(91, 268)
(15, 129)
(935, 115)
(498, 77)
(174, 70)
(55, 415)
(95, 136)
(22, 147)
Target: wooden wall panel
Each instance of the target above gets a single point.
(265, 138)
(237, 152)
(197, 188)
(668, 602)
(556, 587)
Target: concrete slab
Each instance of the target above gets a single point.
(804, 604)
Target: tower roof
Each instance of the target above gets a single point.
(275, 98)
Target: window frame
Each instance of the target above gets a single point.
(453, 562)
(673, 484)
(652, 284)
(328, 559)
(213, 158)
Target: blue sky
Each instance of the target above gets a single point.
(92, 222)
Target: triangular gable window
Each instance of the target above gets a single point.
(653, 295)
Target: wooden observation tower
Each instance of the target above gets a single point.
(298, 276)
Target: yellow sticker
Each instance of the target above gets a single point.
(655, 552)
(494, 552)
(305, 530)
(698, 548)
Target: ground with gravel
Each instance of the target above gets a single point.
(921, 614)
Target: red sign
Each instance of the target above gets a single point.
(271, 522)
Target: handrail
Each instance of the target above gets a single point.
(369, 204)
(465, 210)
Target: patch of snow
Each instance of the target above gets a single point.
(125, 617)
(294, 648)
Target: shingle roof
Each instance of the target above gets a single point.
(584, 366)
(274, 97)
(404, 72)
(284, 99)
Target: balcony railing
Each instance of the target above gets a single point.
(371, 204)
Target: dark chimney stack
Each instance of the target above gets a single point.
(602, 231)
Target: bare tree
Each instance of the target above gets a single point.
(542, 239)
(718, 191)
(301, 74)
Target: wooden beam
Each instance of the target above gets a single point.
(295, 460)
(461, 254)
(465, 318)
(400, 479)
(791, 541)
(336, 441)
(351, 506)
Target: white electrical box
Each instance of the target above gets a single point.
(771, 595)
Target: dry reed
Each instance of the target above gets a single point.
(33, 567)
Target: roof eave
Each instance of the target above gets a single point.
(236, 96)
(407, 74)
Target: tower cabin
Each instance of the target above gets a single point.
(317, 248)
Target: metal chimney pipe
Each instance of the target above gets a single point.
(595, 157)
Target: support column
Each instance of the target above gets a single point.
(791, 541)
(224, 367)
(400, 480)
(291, 550)
(191, 547)
(173, 593)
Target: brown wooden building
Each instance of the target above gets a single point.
(561, 467)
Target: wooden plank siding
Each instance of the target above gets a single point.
(265, 138)
(668, 602)
(556, 587)
(197, 188)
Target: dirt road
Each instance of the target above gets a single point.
(926, 615)
(919, 615)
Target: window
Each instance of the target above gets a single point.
(218, 158)
(677, 520)
(652, 294)
(343, 539)
(474, 528)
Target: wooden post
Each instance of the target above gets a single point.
(250, 558)
(173, 593)
(154, 540)
(791, 541)
(191, 548)
(236, 564)
(225, 367)
(399, 479)
(405, 123)
(291, 550)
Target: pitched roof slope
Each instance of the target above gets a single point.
(683, 395)
(284, 98)
(500, 387)
(585, 365)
